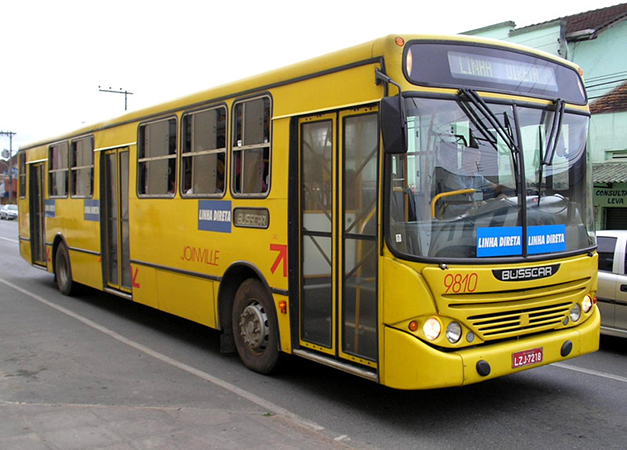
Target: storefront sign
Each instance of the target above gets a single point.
(610, 196)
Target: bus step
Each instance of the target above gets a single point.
(122, 294)
(364, 372)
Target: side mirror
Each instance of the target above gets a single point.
(393, 125)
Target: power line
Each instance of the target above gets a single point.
(125, 92)
(592, 86)
(606, 76)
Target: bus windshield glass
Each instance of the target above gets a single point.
(491, 182)
(490, 68)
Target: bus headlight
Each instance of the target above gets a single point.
(575, 312)
(587, 303)
(453, 332)
(432, 328)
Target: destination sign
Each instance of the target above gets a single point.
(487, 68)
(495, 68)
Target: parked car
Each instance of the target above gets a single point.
(612, 293)
(8, 212)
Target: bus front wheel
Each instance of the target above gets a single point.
(63, 271)
(255, 327)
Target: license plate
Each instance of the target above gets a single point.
(527, 357)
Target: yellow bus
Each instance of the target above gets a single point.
(415, 210)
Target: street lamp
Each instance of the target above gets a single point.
(10, 134)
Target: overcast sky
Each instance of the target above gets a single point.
(56, 53)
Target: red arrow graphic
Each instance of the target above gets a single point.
(281, 257)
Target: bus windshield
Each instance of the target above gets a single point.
(481, 181)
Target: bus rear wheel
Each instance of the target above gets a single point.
(63, 271)
(255, 328)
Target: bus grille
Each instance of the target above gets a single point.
(525, 320)
(501, 315)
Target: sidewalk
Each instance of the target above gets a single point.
(79, 427)
(70, 383)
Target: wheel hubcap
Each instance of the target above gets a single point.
(254, 327)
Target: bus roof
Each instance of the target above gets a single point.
(288, 74)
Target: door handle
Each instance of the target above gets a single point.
(623, 287)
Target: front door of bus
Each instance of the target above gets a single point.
(37, 214)
(117, 262)
(338, 234)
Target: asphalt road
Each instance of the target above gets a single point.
(97, 349)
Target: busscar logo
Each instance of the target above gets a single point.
(526, 273)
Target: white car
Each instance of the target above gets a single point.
(8, 212)
(612, 293)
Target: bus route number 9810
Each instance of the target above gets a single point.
(458, 283)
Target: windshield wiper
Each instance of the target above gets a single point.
(553, 137)
(540, 171)
(508, 126)
(547, 153)
(504, 132)
(482, 127)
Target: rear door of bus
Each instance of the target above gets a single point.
(116, 235)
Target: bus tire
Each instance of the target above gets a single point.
(63, 271)
(255, 329)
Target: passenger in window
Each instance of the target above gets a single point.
(220, 176)
(470, 176)
(171, 176)
(187, 184)
(238, 172)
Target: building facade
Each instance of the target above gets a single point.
(596, 41)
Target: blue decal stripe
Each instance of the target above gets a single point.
(214, 215)
(501, 241)
(507, 241)
(546, 239)
(92, 210)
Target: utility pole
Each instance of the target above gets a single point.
(10, 134)
(125, 92)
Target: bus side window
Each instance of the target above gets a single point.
(204, 153)
(82, 167)
(250, 148)
(58, 164)
(156, 159)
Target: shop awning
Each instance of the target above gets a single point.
(610, 172)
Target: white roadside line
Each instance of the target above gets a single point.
(10, 240)
(609, 376)
(269, 406)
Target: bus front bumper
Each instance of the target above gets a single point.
(412, 364)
